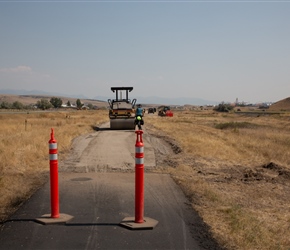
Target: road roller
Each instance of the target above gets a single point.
(122, 109)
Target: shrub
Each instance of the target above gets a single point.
(224, 107)
(17, 105)
(5, 105)
(43, 104)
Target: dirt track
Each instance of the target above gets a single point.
(112, 150)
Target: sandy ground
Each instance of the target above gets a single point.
(112, 150)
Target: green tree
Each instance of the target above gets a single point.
(79, 104)
(90, 106)
(43, 104)
(17, 105)
(56, 102)
(5, 105)
(68, 103)
(223, 107)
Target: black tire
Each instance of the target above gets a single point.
(139, 125)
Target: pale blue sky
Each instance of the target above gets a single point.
(214, 50)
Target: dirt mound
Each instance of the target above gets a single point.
(282, 172)
(270, 172)
(283, 105)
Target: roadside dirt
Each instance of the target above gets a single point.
(108, 150)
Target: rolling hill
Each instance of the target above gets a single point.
(32, 99)
(282, 105)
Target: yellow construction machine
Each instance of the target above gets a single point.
(122, 109)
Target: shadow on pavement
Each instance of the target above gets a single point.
(109, 129)
(17, 220)
(66, 224)
(100, 129)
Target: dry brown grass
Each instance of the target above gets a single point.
(235, 169)
(24, 164)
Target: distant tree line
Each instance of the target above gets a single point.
(43, 104)
(14, 105)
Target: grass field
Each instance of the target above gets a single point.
(233, 168)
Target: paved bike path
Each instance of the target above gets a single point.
(98, 203)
